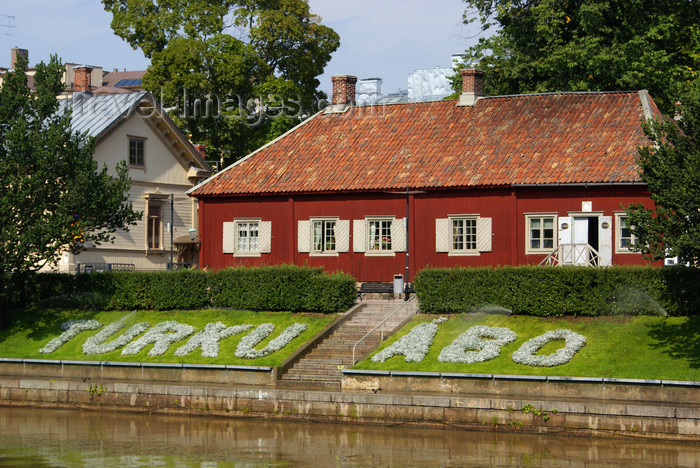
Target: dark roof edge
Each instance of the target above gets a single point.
(399, 191)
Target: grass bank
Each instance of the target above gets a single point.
(616, 347)
(35, 328)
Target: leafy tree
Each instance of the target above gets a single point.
(580, 45)
(256, 61)
(671, 170)
(53, 196)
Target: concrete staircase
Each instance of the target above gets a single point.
(321, 367)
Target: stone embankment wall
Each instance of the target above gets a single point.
(486, 410)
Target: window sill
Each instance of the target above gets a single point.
(625, 252)
(474, 253)
(246, 254)
(380, 254)
(323, 254)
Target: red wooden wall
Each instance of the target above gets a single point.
(506, 207)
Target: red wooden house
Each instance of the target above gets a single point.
(502, 180)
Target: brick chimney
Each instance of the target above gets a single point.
(16, 53)
(201, 149)
(343, 92)
(81, 80)
(472, 86)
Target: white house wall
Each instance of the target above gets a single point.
(161, 166)
(163, 173)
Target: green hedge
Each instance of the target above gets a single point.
(285, 287)
(558, 291)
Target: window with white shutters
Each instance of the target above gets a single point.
(247, 237)
(463, 235)
(323, 236)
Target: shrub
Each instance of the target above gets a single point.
(161, 290)
(285, 287)
(558, 291)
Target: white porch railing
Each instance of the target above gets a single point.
(575, 254)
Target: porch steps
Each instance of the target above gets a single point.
(321, 367)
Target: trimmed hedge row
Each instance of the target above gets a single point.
(559, 291)
(271, 288)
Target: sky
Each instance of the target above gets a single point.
(388, 39)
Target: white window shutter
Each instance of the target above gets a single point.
(442, 235)
(359, 235)
(605, 240)
(265, 236)
(483, 234)
(304, 236)
(398, 235)
(229, 238)
(342, 235)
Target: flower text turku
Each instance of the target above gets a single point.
(165, 334)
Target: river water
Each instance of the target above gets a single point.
(43, 438)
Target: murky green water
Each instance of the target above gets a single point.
(34, 437)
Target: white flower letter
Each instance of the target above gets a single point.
(162, 335)
(245, 348)
(72, 329)
(208, 339)
(469, 347)
(96, 344)
(573, 342)
(414, 345)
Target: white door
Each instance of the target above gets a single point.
(605, 240)
(580, 238)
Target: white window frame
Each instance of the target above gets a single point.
(246, 253)
(368, 240)
(323, 252)
(555, 233)
(464, 251)
(619, 249)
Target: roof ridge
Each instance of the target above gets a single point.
(556, 93)
(549, 93)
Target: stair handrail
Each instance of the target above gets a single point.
(380, 324)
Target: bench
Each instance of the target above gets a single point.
(372, 287)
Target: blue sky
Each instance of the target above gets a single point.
(379, 38)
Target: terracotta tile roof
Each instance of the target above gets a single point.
(527, 139)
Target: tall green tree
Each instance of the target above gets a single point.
(256, 62)
(53, 196)
(671, 170)
(587, 45)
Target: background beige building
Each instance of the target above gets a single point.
(163, 165)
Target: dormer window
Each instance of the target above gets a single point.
(136, 151)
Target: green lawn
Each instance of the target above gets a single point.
(617, 347)
(36, 327)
